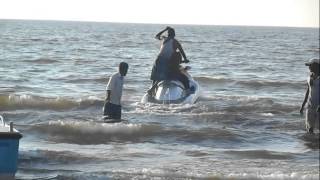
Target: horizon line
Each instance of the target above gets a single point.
(123, 22)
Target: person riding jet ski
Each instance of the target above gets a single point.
(167, 64)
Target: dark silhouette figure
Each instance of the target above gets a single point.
(167, 64)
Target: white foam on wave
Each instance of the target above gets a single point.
(273, 176)
(163, 109)
(90, 132)
(27, 101)
(92, 127)
(267, 114)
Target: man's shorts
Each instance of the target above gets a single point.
(312, 118)
(113, 111)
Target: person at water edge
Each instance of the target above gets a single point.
(112, 106)
(164, 66)
(312, 96)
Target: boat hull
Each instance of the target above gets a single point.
(9, 149)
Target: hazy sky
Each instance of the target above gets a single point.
(216, 12)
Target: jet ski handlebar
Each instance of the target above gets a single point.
(185, 68)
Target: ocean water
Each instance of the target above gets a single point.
(245, 125)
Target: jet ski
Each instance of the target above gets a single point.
(173, 92)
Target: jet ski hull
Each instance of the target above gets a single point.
(172, 92)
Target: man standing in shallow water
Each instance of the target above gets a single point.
(312, 96)
(112, 106)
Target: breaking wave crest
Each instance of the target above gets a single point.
(15, 102)
(95, 133)
(90, 132)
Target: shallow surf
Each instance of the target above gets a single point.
(245, 125)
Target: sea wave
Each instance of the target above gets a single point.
(251, 83)
(15, 102)
(43, 61)
(50, 156)
(102, 80)
(260, 154)
(207, 79)
(278, 84)
(207, 104)
(76, 79)
(96, 132)
(167, 173)
(315, 49)
(260, 106)
(218, 105)
(268, 176)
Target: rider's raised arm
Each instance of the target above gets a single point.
(158, 36)
(178, 45)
